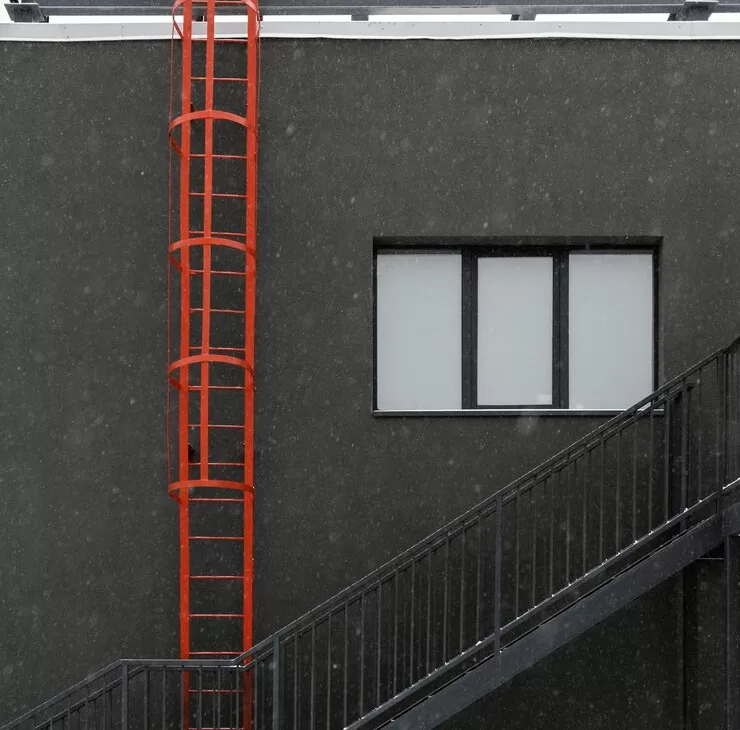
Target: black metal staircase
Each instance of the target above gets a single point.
(475, 603)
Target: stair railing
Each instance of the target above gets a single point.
(460, 595)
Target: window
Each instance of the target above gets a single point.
(548, 326)
(418, 316)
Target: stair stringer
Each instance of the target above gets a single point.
(479, 680)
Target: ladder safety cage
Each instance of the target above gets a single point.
(211, 293)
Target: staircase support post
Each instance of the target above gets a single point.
(276, 669)
(732, 634)
(124, 696)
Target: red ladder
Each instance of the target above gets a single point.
(211, 291)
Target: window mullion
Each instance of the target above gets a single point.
(469, 323)
(560, 397)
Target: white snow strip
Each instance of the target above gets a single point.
(305, 18)
(722, 18)
(606, 17)
(439, 18)
(111, 28)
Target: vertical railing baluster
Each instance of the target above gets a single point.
(107, 710)
(634, 476)
(651, 464)
(667, 458)
(684, 446)
(256, 696)
(551, 492)
(700, 436)
(213, 697)
(104, 703)
(429, 614)
(240, 687)
(234, 699)
(200, 698)
(583, 507)
(378, 649)
(722, 382)
(736, 406)
(445, 598)
(618, 493)
(731, 470)
(297, 677)
(568, 490)
(412, 629)
(362, 654)
(328, 672)
(276, 684)
(533, 599)
(87, 707)
(728, 411)
(395, 631)
(217, 703)
(461, 628)
(497, 578)
(312, 721)
(602, 510)
(478, 578)
(516, 554)
(146, 698)
(164, 698)
(184, 719)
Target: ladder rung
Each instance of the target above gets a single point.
(217, 463)
(215, 537)
(199, 194)
(217, 577)
(215, 499)
(216, 387)
(219, 272)
(219, 78)
(201, 155)
(221, 233)
(219, 349)
(216, 615)
(219, 311)
(217, 425)
(215, 653)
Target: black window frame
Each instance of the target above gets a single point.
(471, 251)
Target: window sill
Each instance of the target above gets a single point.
(497, 412)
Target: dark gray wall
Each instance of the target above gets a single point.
(358, 139)
(87, 533)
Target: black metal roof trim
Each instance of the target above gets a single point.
(689, 10)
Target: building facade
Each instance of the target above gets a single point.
(558, 151)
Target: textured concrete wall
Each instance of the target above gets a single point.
(357, 140)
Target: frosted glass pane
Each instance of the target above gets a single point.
(611, 329)
(419, 331)
(515, 331)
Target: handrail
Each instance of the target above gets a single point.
(265, 658)
(64, 693)
(184, 664)
(370, 579)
